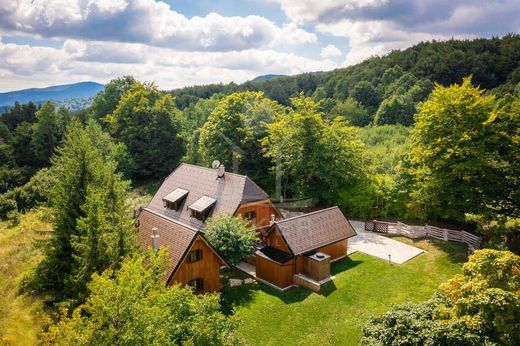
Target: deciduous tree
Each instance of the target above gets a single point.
(132, 306)
(233, 237)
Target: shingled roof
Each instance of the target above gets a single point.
(311, 231)
(230, 192)
(178, 238)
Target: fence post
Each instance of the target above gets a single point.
(445, 234)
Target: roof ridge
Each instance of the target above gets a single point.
(307, 214)
(211, 169)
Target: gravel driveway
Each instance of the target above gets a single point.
(379, 246)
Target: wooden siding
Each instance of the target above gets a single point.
(274, 239)
(280, 275)
(335, 250)
(316, 270)
(263, 209)
(208, 268)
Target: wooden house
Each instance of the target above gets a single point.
(175, 218)
(299, 250)
(293, 251)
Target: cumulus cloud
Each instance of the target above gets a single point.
(375, 27)
(330, 51)
(24, 65)
(144, 21)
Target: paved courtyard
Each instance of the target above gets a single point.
(379, 246)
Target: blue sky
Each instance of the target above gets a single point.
(176, 43)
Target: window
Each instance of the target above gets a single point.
(196, 284)
(251, 215)
(198, 215)
(194, 256)
(201, 208)
(174, 199)
(171, 205)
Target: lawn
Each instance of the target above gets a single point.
(363, 286)
(20, 249)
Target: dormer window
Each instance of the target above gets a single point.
(174, 199)
(201, 208)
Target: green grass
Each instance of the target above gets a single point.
(363, 286)
(21, 318)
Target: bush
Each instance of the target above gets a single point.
(132, 306)
(7, 206)
(23, 198)
(231, 236)
(479, 307)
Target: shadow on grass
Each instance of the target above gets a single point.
(242, 296)
(343, 264)
(457, 252)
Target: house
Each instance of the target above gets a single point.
(175, 218)
(299, 250)
(293, 251)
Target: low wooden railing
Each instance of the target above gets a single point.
(420, 231)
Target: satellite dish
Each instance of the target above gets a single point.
(215, 164)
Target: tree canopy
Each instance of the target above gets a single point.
(231, 236)
(133, 306)
(479, 307)
(148, 123)
(302, 140)
(233, 131)
(92, 221)
(459, 151)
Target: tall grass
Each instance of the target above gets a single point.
(21, 316)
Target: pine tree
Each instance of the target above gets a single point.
(92, 221)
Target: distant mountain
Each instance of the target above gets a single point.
(83, 90)
(266, 77)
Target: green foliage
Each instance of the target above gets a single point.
(196, 116)
(353, 111)
(397, 109)
(148, 123)
(459, 152)
(23, 198)
(385, 145)
(301, 141)
(92, 221)
(133, 306)
(366, 94)
(19, 114)
(233, 130)
(405, 324)
(480, 306)
(499, 231)
(231, 236)
(105, 102)
(48, 131)
(491, 62)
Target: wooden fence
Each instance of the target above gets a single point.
(419, 231)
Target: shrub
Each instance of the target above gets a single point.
(233, 238)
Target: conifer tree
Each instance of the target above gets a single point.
(92, 221)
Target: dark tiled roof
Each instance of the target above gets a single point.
(229, 191)
(274, 254)
(176, 237)
(313, 230)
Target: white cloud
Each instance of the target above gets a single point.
(144, 21)
(375, 27)
(26, 66)
(330, 51)
(308, 11)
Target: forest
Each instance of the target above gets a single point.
(428, 134)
